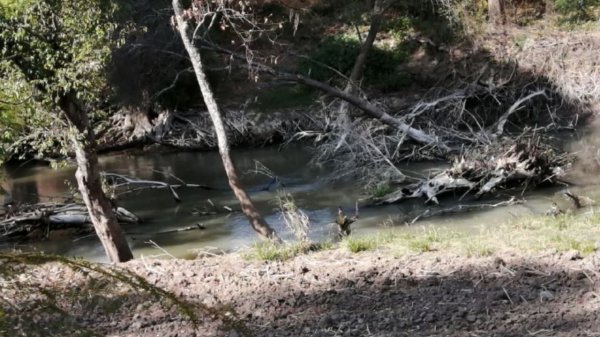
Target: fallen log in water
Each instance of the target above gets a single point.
(18, 221)
(526, 162)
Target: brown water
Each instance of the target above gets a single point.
(230, 231)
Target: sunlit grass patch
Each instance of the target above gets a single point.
(568, 243)
(269, 251)
(357, 244)
(360, 244)
(477, 249)
(560, 222)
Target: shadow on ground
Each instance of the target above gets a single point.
(334, 294)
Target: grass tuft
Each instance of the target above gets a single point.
(478, 249)
(269, 251)
(360, 244)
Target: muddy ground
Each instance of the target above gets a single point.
(331, 293)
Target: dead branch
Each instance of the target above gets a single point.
(23, 219)
(364, 105)
(119, 181)
(430, 213)
(504, 118)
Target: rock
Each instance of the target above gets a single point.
(546, 295)
(136, 326)
(471, 318)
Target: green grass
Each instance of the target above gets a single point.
(567, 232)
(381, 190)
(360, 244)
(568, 243)
(269, 251)
(477, 249)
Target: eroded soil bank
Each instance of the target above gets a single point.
(331, 293)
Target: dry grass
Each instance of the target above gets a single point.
(295, 219)
(568, 59)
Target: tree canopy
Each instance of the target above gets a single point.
(49, 48)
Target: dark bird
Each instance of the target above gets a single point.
(344, 222)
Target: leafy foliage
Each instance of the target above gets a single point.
(575, 10)
(50, 48)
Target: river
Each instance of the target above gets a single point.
(318, 196)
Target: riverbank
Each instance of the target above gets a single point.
(513, 287)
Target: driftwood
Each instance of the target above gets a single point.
(527, 162)
(123, 184)
(463, 208)
(184, 229)
(20, 220)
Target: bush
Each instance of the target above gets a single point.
(576, 10)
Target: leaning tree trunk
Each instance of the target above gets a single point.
(90, 185)
(361, 59)
(256, 220)
(359, 67)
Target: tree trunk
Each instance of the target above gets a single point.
(361, 59)
(90, 184)
(256, 220)
(359, 67)
(496, 11)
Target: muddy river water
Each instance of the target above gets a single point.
(312, 191)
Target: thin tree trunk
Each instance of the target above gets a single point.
(256, 220)
(359, 64)
(90, 184)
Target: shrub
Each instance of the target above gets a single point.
(576, 10)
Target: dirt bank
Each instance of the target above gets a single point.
(332, 293)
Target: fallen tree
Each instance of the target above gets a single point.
(525, 162)
(367, 107)
(18, 221)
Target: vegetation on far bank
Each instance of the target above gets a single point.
(145, 72)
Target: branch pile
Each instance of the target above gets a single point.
(19, 221)
(193, 129)
(527, 162)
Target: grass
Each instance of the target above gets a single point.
(360, 244)
(580, 233)
(269, 251)
(568, 243)
(381, 190)
(478, 249)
